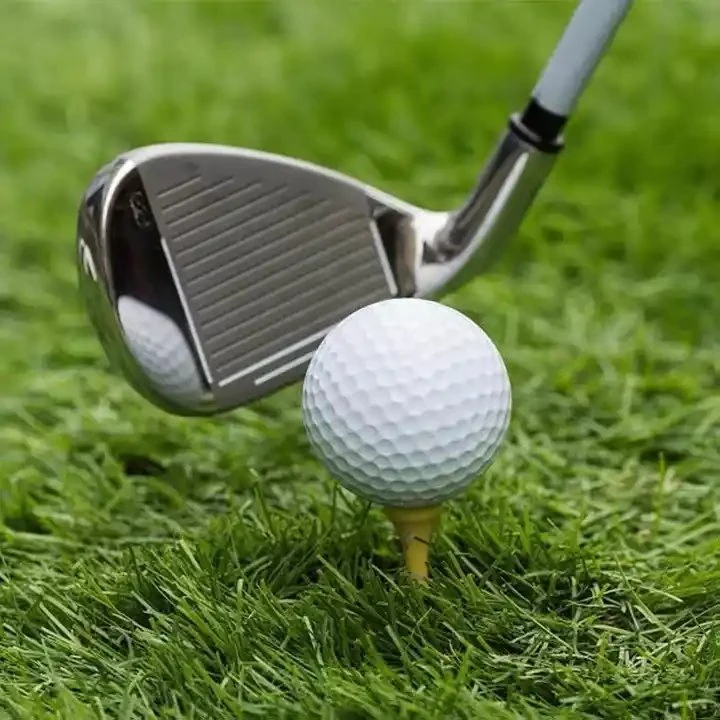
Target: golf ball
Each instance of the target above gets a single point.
(406, 401)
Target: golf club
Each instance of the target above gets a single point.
(211, 274)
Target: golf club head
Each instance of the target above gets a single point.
(211, 274)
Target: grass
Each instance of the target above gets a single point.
(155, 567)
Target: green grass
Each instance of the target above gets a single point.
(155, 567)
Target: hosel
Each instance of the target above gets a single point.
(492, 214)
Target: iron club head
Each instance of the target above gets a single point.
(211, 274)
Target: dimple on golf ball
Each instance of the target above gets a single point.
(406, 401)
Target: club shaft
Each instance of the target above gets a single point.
(577, 54)
(527, 151)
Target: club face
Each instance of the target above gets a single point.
(211, 275)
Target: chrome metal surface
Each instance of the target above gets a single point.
(247, 259)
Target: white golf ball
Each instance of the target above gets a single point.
(406, 401)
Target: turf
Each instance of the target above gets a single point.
(155, 567)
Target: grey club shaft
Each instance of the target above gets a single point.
(585, 40)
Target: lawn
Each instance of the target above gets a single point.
(158, 567)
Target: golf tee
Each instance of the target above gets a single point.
(415, 527)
